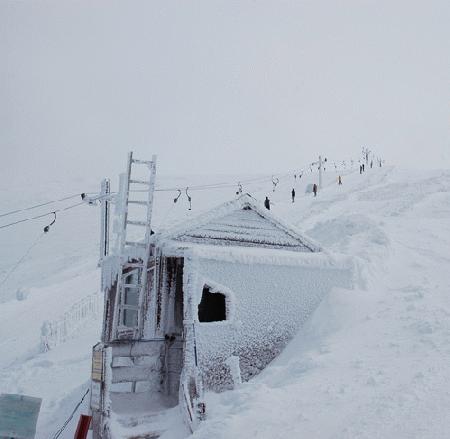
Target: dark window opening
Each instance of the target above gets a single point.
(212, 307)
(178, 312)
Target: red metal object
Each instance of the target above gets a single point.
(83, 427)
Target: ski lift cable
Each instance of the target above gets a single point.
(64, 209)
(39, 205)
(265, 177)
(168, 189)
(58, 433)
(223, 185)
(16, 265)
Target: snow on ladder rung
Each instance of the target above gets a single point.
(132, 285)
(142, 203)
(141, 162)
(146, 183)
(137, 223)
(136, 244)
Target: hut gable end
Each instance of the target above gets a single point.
(243, 223)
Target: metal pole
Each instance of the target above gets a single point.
(105, 192)
(320, 172)
(195, 345)
(366, 152)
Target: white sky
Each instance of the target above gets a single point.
(221, 86)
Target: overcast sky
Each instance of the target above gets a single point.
(221, 86)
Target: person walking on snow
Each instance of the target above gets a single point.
(293, 194)
(315, 189)
(339, 180)
(267, 203)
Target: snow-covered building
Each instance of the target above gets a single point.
(246, 282)
(223, 295)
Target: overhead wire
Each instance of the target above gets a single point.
(35, 242)
(16, 265)
(38, 205)
(210, 186)
(222, 185)
(63, 209)
(59, 432)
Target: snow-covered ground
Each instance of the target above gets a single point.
(370, 363)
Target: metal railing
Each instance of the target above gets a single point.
(58, 331)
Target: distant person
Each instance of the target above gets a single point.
(339, 180)
(360, 169)
(363, 168)
(371, 164)
(315, 189)
(267, 203)
(293, 194)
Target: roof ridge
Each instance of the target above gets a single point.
(241, 202)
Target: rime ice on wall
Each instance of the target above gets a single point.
(110, 270)
(270, 304)
(272, 278)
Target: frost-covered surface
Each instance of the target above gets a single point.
(250, 255)
(146, 413)
(372, 363)
(110, 270)
(58, 331)
(269, 303)
(59, 376)
(244, 222)
(369, 363)
(269, 292)
(136, 424)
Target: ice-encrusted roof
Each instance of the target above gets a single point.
(241, 222)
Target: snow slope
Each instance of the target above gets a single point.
(371, 362)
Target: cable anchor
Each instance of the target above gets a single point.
(92, 201)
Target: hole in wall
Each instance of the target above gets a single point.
(212, 307)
